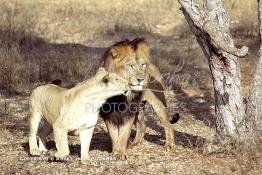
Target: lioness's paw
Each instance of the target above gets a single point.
(169, 146)
(86, 161)
(35, 152)
(61, 157)
(43, 150)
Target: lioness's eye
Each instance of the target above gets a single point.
(130, 65)
(144, 66)
(105, 80)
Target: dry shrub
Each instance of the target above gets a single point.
(27, 59)
(84, 21)
(16, 70)
(244, 17)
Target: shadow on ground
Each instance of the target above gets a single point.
(43, 62)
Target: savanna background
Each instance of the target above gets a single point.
(43, 40)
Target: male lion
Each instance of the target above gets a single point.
(74, 111)
(131, 60)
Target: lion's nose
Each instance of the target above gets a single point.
(140, 80)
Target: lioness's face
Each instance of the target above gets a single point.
(113, 83)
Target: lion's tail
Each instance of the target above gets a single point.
(175, 118)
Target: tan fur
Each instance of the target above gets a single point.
(131, 60)
(71, 111)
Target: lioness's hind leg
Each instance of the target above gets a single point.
(43, 133)
(35, 119)
(60, 137)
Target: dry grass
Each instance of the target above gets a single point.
(85, 21)
(44, 40)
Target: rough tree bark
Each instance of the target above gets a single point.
(255, 100)
(210, 25)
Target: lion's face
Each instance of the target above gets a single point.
(135, 72)
(130, 61)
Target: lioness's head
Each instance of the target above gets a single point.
(130, 60)
(112, 83)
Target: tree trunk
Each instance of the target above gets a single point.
(210, 25)
(255, 100)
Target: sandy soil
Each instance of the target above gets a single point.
(193, 134)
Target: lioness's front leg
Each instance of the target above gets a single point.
(85, 139)
(60, 137)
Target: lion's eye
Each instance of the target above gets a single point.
(144, 66)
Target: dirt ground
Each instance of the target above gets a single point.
(72, 40)
(193, 132)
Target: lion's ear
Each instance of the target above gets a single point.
(142, 47)
(114, 52)
(118, 53)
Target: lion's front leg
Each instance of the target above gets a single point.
(140, 130)
(119, 136)
(169, 131)
(85, 139)
(161, 112)
(119, 150)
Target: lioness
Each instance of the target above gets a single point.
(131, 60)
(74, 111)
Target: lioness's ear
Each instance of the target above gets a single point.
(105, 79)
(101, 73)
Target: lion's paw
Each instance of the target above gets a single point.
(132, 145)
(169, 146)
(120, 156)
